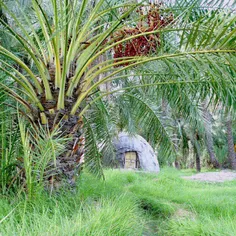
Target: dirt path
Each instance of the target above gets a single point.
(219, 177)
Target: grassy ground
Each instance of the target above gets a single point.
(127, 203)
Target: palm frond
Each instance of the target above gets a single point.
(93, 156)
(148, 119)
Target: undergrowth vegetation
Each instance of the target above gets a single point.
(127, 203)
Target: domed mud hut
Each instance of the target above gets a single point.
(134, 152)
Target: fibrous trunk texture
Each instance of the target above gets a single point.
(209, 139)
(230, 141)
(198, 162)
(190, 158)
(69, 162)
(197, 154)
(210, 149)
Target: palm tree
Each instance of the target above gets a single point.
(69, 48)
(230, 141)
(209, 137)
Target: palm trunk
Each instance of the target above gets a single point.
(210, 150)
(197, 155)
(197, 150)
(176, 145)
(209, 138)
(71, 127)
(190, 158)
(230, 141)
(69, 162)
(198, 162)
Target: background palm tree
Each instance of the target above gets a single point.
(230, 141)
(209, 137)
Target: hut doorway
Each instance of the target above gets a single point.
(131, 160)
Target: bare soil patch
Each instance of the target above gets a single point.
(219, 177)
(183, 213)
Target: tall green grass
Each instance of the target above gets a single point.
(27, 153)
(10, 148)
(40, 149)
(127, 203)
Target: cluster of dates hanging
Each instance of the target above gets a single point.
(141, 45)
